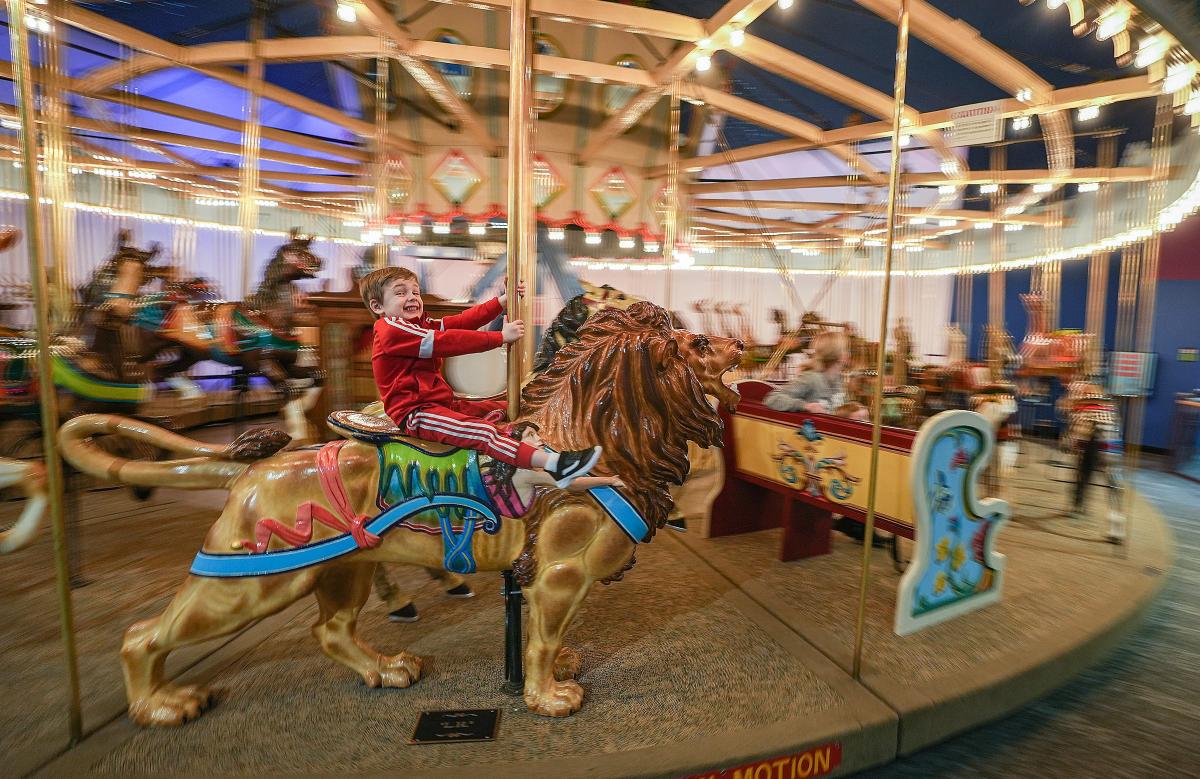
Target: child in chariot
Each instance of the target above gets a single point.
(406, 358)
(820, 388)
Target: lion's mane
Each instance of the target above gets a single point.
(626, 386)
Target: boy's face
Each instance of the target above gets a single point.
(401, 298)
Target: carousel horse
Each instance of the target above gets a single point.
(189, 321)
(110, 301)
(317, 520)
(1093, 434)
(1058, 353)
(564, 328)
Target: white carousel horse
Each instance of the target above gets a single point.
(30, 478)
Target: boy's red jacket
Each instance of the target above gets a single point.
(406, 356)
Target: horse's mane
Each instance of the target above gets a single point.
(626, 386)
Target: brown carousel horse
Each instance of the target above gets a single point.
(630, 383)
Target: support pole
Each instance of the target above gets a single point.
(514, 668)
(251, 146)
(877, 394)
(23, 83)
(380, 209)
(1098, 266)
(55, 142)
(671, 220)
(522, 237)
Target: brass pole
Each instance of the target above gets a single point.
(55, 133)
(671, 221)
(23, 84)
(521, 238)
(251, 145)
(877, 394)
(1098, 267)
(381, 208)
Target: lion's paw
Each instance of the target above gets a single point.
(400, 670)
(557, 699)
(169, 706)
(567, 664)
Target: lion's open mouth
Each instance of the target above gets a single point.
(725, 394)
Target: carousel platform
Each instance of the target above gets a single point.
(711, 654)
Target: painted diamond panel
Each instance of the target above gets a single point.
(456, 178)
(399, 185)
(547, 184)
(613, 193)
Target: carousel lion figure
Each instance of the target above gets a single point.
(630, 383)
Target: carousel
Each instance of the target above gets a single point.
(854, 303)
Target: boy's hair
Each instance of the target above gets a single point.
(828, 348)
(371, 286)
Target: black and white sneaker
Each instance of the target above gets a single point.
(461, 591)
(572, 465)
(404, 614)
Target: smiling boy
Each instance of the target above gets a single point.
(406, 356)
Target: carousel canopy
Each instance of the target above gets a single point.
(1020, 114)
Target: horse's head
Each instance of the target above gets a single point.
(295, 259)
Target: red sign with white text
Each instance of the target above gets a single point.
(817, 761)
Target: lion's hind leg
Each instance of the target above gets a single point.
(203, 609)
(341, 592)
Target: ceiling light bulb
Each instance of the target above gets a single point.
(345, 12)
(1088, 113)
(1043, 188)
(1151, 50)
(625, 243)
(905, 139)
(477, 228)
(989, 189)
(917, 220)
(592, 239)
(1022, 123)
(1112, 21)
(1193, 104)
(650, 247)
(737, 36)
(1089, 186)
(947, 189)
(948, 223)
(1025, 95)
(983, 225)
(1178, 77)
(556, 234)
(703, 63)
(784, 4)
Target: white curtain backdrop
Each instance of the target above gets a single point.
(923, 301)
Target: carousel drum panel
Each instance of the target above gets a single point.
(799, 469)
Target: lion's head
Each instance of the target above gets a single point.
(629, 385)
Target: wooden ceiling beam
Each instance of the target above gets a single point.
(430, 78)
(617, 16)
(1115, 91)
(852, 209)
(683, 58)
(170, 55)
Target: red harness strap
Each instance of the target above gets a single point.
(335, 494)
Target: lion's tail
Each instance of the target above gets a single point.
(207, 466)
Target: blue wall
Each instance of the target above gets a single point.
(1176, 326)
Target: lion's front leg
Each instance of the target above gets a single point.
(576, 547)
(341, 593)
(553, 599)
